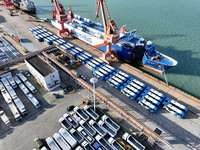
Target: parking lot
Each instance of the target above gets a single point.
(38, 122)
(42, 122)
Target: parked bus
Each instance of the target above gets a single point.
(155, 92)
(160, 99)
(128, 92)
(144, 103)
(174, 107)
(113, 83)
(137, 82)
(150, 99)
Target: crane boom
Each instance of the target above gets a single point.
(59, 14)
(8, 3)
(110, 35)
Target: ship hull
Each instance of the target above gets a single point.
(87, 34)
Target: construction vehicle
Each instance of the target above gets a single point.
(110, 35)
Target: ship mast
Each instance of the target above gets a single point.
(110, 35)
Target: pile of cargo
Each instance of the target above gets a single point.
(146, 96)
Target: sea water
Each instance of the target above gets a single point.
(173, 26)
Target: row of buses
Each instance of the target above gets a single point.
(147, 97)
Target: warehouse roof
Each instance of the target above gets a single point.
(40, 65)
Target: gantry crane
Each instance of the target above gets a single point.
(59, 14)
(7, 3)
(110, 35)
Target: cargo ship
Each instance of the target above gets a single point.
(25, 5)
(130, 47)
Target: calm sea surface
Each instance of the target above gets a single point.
(173, 26)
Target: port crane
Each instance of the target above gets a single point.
(59, 14)
(7, 3)
(110, 35)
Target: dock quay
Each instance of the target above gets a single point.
(175, 133)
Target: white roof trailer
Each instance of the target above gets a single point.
(61, 142)
(115, 144)
(91, 113)
(97, 127)
(11, 81)
(85, 135)
(51, 143)
(6, 96)
(110, 123)
(20, 106)
(4, 117)
(30, 86)
(14, 111)
(86, 145)
(22, 77)
(2, 88)
(5, 82)
(12, 92)
(76, 135)
(33, 100)
(87, 128)
(68, 137)
(81, 113)
(23, 88)
(133, 142)
(17, 80)
(103, 142)
(105, 127)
